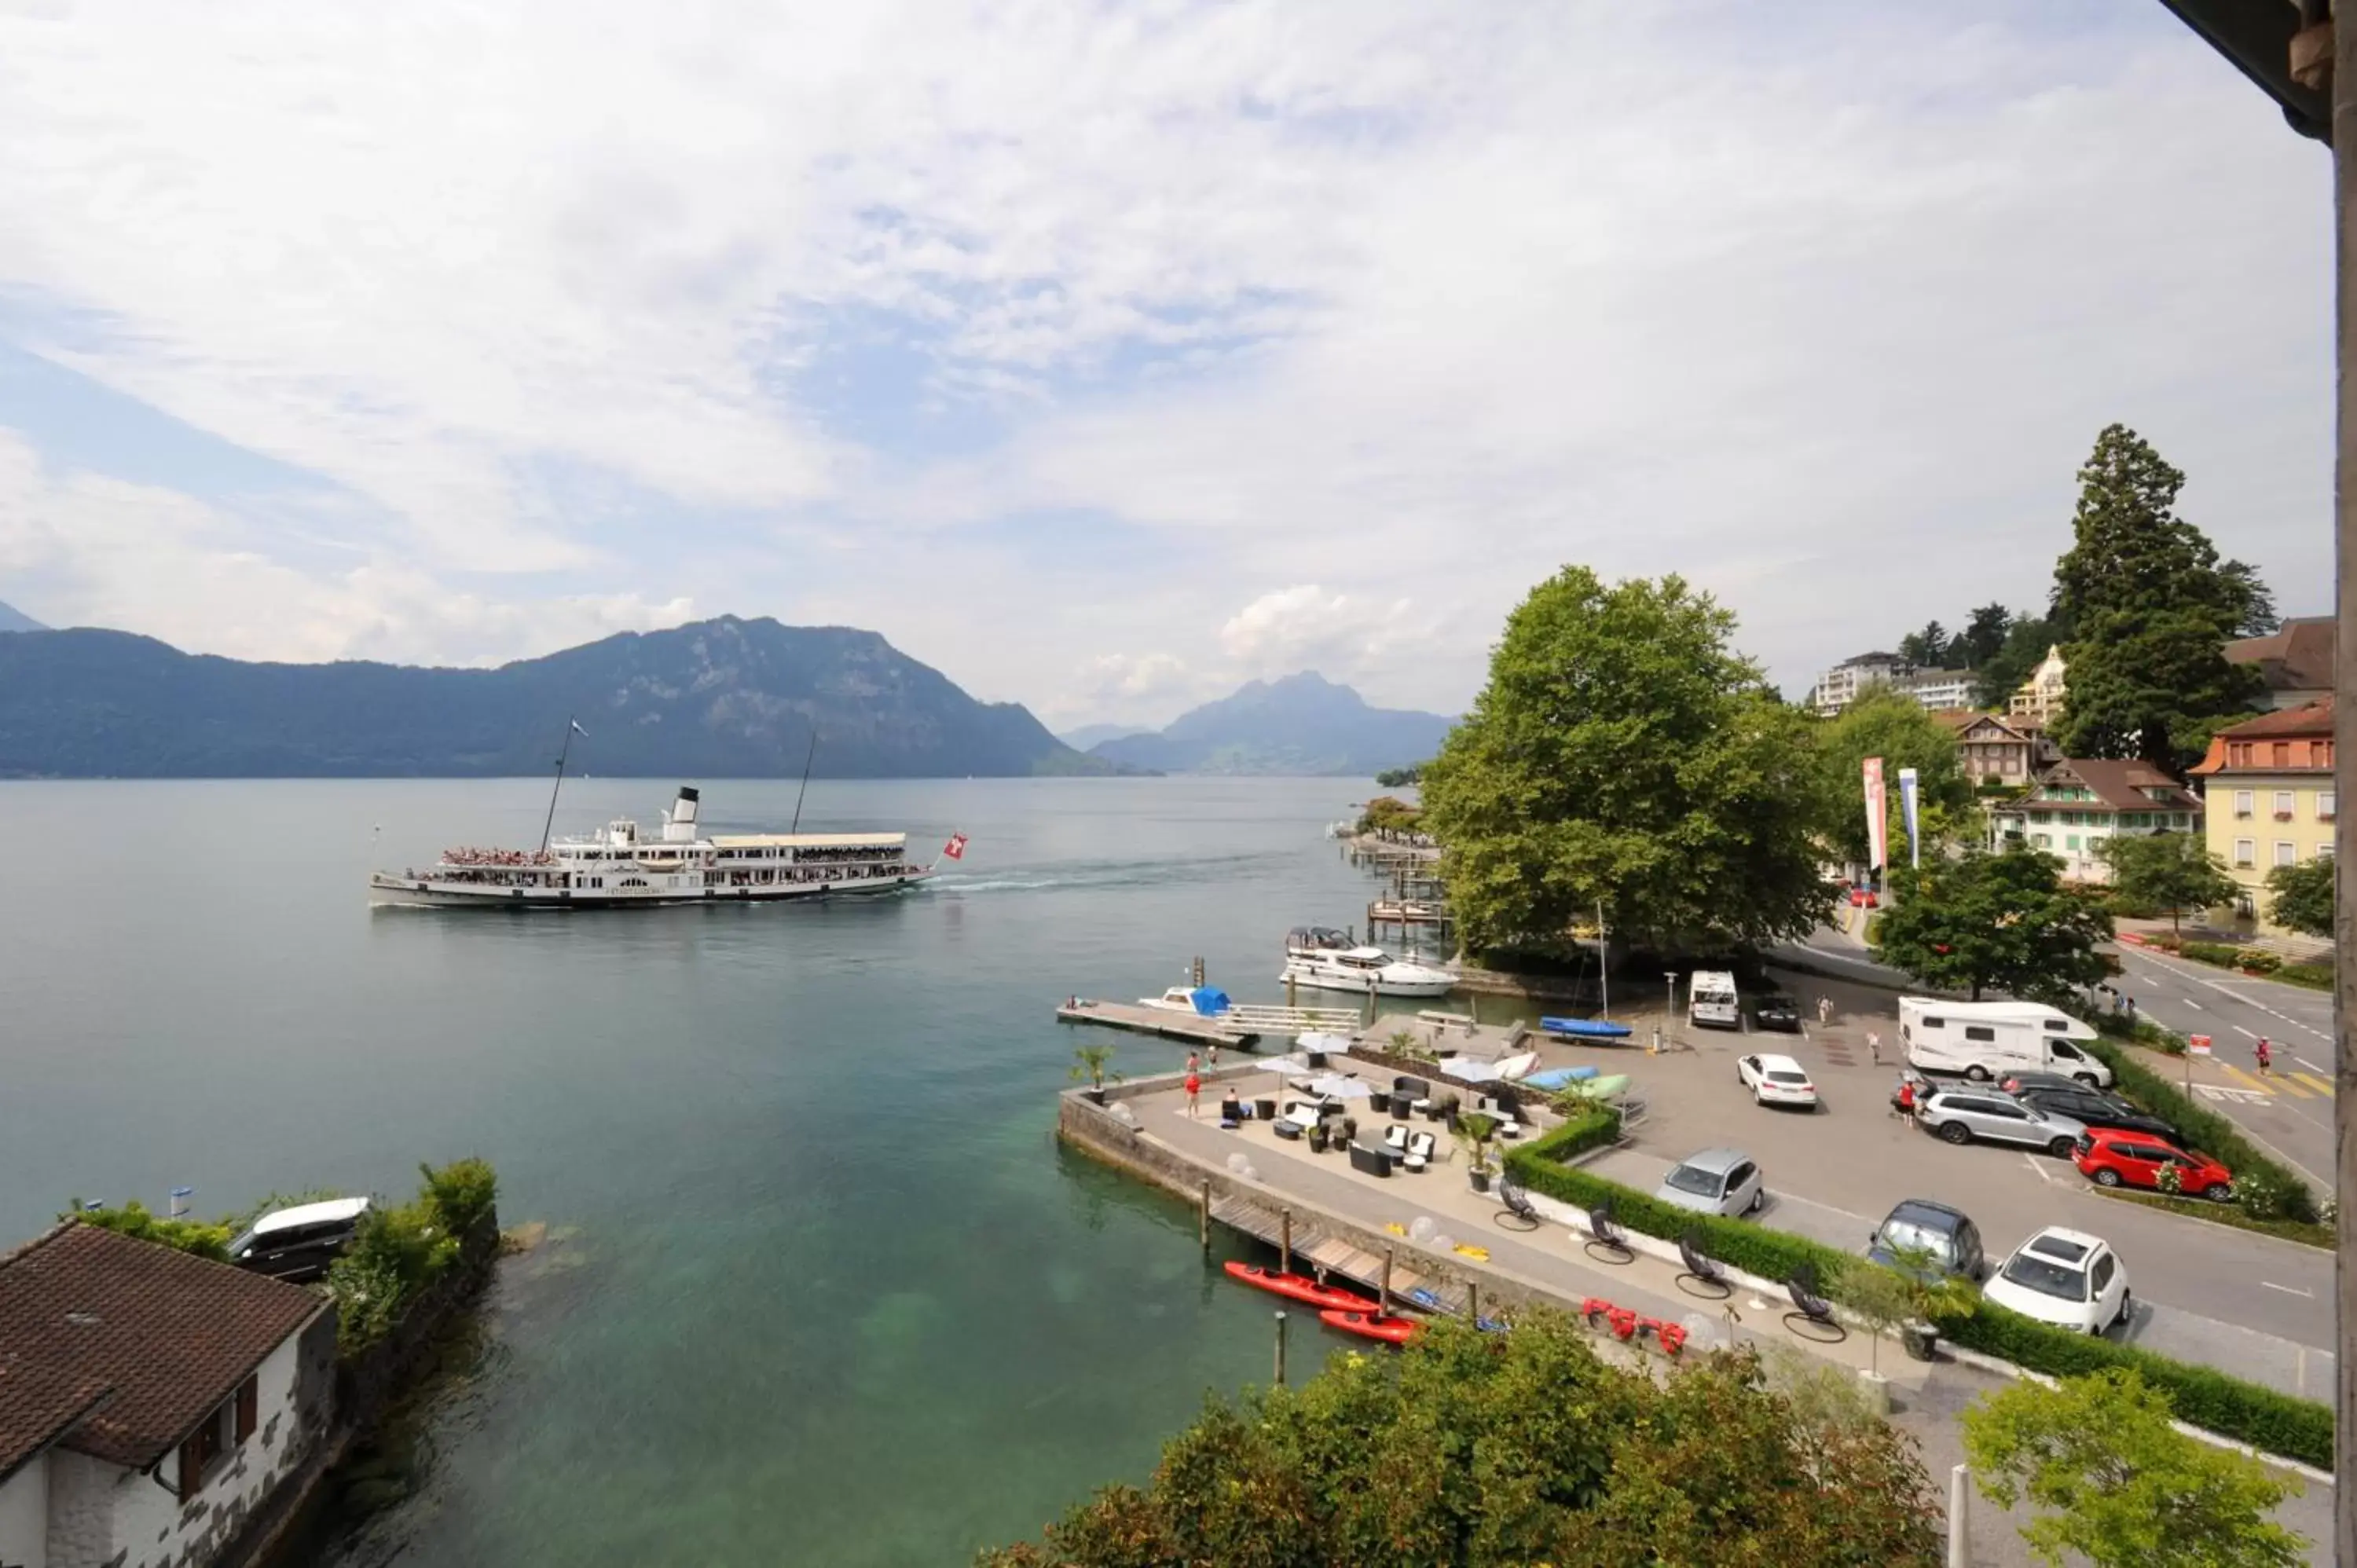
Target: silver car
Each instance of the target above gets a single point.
(1716, 1181)
(1961, 1115)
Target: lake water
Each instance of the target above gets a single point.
(820, 1288)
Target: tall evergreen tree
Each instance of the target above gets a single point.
(1983, 637)
(2148, 610)
(1928, 647)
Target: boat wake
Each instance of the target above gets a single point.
(1098, 874)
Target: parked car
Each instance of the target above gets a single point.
(2114, 1158)
(1778, 1011)
(297, 1244)
(2014, 1083)
(2067, 1278)
(1714, 1181)
(1918, 1224)
(1864, 898)
(1961, 1115)
(2098, 1111)
(1776, 1081)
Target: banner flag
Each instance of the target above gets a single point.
(1907, 809)
(1877, 835)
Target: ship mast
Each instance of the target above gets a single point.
(807, 760)
(572, 728)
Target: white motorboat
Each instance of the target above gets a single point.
(1363, 969)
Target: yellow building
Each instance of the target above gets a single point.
(2267, 789)
(2039, 700)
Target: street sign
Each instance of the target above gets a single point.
(2199, 1045)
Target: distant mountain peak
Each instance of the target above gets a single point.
(15, 620)
(1297, 724)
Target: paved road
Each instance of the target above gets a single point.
(2291, 1112)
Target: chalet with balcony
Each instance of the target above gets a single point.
(2079, 803)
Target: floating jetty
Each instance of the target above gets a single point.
(1168, 1022)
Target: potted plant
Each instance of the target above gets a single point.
(1089, 1066)
(1472, 1133)
(1881, 1298)
(1933, 1293)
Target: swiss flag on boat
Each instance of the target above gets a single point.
(956, 848)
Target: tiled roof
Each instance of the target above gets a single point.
(2297, 655)
(2313, 719)
(38, 1405)
(2121, 785)
(172, 1335)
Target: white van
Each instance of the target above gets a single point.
(1711, 1002)
(1984, 1039)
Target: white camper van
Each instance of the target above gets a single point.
(1711, 1002)
(1984, 1039)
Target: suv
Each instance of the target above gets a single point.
(1777, 1011)
(297, 1244)
(2097, 1110)
(1961, 1115)
(2112, 1158)
(1716, 1181)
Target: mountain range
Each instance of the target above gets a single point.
(715, 699)
(14, 619)
(1303, 724)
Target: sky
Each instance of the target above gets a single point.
(1105, 356)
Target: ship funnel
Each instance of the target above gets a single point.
(679, 822)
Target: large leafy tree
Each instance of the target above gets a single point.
(2149, 609)
(1896, 729)
(2299, 896)
(2175, 872)
(1623, 754)
(2118, 1485)
(1510, 1448)
(2002, 921)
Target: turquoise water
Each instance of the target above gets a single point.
(821, 1287)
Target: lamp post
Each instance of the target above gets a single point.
(1671, 976)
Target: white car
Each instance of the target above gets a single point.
(1776, 1081)
(2067, 1278)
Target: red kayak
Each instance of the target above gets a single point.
(1299, 1287)
(1369, 1326)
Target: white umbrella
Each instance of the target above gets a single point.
(1334, 1086)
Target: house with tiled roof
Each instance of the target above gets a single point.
(151, 1403)
(1996, 748)
(2080, 802)
(2271, 799)
(2294, 662)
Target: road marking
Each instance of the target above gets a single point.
(2244, 1033)
(2308, 1064)
(2239, 1096)
(2038, 1169)
(2317, 1084)
(2183, 973)
(2287, 1290)
(2245, 1080)
(2192, 1004)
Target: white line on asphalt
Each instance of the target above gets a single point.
(2034, 1165)
(2308, 1064)
(2192, 1004)
(2287, 1290)
(2244, 1033)
(2184, 974)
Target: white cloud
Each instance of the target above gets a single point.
(1434, 300)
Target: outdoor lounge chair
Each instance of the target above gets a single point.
(1607, 1243)
(1395, 1138)
(1519, 1213)
(1374, 1162)
(1419, 1152)
(1708, 1274)
(1813, 1314)
(1289, 1131)
(1303, 1114)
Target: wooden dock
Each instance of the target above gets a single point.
(1316, 1251)
(1168, 1023)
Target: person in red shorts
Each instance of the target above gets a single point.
(1194, 1089)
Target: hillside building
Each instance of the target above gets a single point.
(2270, 795)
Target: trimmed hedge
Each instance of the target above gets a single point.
(2320, 1236)
(2262, 1184)
(2315, 976)
(2274, 1422)
(2271, 1422)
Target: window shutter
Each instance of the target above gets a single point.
(248, 1402)
(193, 1466)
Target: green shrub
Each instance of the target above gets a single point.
(464, 1190)
(2281, 1194)
(2165, 943)
(195, 1236)
(2315, 976)
(2219, 953)
(2271, 1422)
(1587, 1125)
(1874, 929)
(2320, 1235)
(2258, 961)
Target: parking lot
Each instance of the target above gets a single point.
(2249, 1304)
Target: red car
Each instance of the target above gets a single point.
(1864, 898)
(2110, 1156)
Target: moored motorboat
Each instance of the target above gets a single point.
(1313, 958)
(1391, 1330)
(1298, 1287)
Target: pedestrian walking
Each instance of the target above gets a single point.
(1902, 1099)
(1874, 1046)
(2266, 1055)
(1194, 1091)
(1825, 1010)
